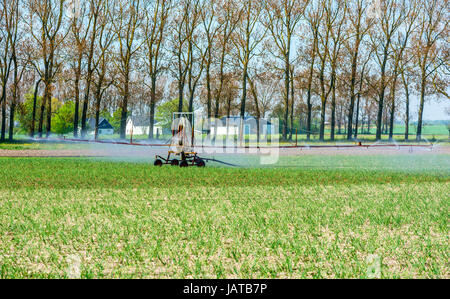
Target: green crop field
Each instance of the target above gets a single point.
(306, 217)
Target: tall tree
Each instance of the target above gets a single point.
(391, 16)
(247, 38)
(283, 17)
(399, 45)
(156, 19)
(314, 19)
(327, 53)
(197, 50)
(359, 27)
(227, 18)
(211, 28)
(20, 59)
(96, 12)
(78, 36)
(45, 23)
(33, 113)
(103, 77)
(433, 28)
(126, 16)
(9, 12)
(406, 75)
(337, 38)
(360, 90)
(183, 25)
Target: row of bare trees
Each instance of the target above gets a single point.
(349, 64)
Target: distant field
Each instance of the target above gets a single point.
(307, 217)
(426, 130)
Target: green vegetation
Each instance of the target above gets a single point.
(63, 119)
(165, 111)
(25, 112)
(62, 116)
(428, 129)
(114, 120)
(321, 217)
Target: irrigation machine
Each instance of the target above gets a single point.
(182, 147)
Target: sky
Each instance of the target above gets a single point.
(434, 109)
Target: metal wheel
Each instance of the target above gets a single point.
(158, 163)
(184, 163)
(174, 162)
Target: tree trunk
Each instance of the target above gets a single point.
(380, 117)
(152, 107)
(258, 133)
(392, 114)
(3, 131)
(421, 107)
(208, 92)
(340, 120)
(191, 101)
(49, 112)
(322, 120)
(386, 121)
(180, 96)
(77, 97)
(228, 116)
(12, 110)
(243, 100)
(405, 84)
(41, 114)
(333, 114)
(89, 79)
(391, 121)
(286, 98)
(357, 115)
(352, 89)
(123, 117)
(323, 97)
(33, 116)
(359, 99)
(382, 92)
(208, 86)
(98, 99)
(84, 112)
(308, 100)
(258, 112)
(292, 103)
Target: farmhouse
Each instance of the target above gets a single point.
(140, 125)
(104, 127)
(232, 124)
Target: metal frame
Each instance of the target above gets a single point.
(188, 157)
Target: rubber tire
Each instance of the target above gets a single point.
(201, 163)
(158, 163)
(184, 164)
(175, 162)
